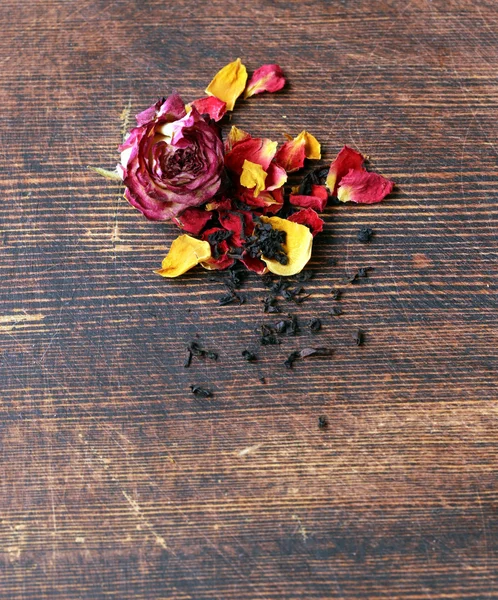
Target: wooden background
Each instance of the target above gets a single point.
(115, 481)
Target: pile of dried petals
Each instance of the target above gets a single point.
(227, 195)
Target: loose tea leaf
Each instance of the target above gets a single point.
(365, 235)
(196, 350)
(200, 392)
(315, 325)
(359, 337)
(305, 353)
(249, 356)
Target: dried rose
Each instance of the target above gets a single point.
(171, 161)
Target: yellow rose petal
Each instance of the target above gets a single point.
(297, 246)
(253, 176)
(312, 148)
(185, 252)
(229, 83)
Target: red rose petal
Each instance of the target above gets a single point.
(309, 218)
(346, 160)
(193, 220)
(315, 202)
(256, 150)
(268, 78)
(364, 187)
(253, 264)
(212, 106)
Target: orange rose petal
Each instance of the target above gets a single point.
(298, 244)
(185, 252)
(268, 78)
(253, 176)
(257, 150)
(229, 83)
(235, 135)
(292, 154)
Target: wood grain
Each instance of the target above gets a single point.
(116, 482)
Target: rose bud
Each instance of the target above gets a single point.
(171, 161)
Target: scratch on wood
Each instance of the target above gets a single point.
(250, 449)
(124, 117)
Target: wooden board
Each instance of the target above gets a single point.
(116, 482)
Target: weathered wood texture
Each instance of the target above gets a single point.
(115, 481)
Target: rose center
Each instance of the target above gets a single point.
(181, 161)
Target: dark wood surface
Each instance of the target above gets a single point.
(115, 481)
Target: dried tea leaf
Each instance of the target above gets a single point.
(297, 246)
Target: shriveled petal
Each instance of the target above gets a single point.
(229, 83)
(292, 154)
(212, 106)
(185, 252)
(309, 218)
(193, 220)
(173, 108)
(346, 160)
(253, 176)
(268, 78)
(363, 187)
(298, 244)
(256, 150)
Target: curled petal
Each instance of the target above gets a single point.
(253, 264)
(172, 107)
(235, 135)
(317, 200)
(256, 150)
(309, 218)
(346, 160)
(253, 176)
(228, 83)
(185, 252)
(266, 201)
(276, 177)
(268, 78)
(212, 106)
(292, 154)
(297, 246)
(363, 187)
(192, 220)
